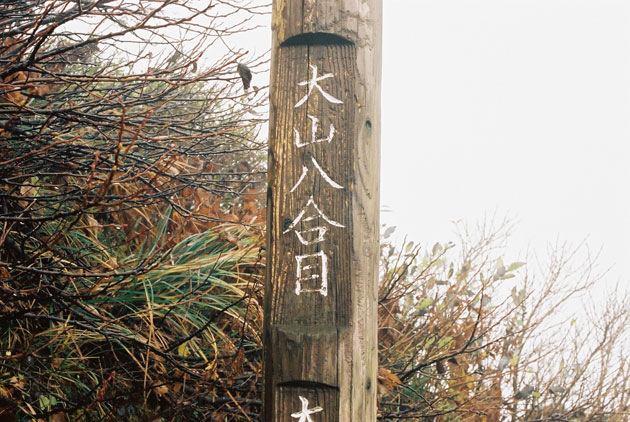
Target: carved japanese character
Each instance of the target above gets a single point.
(321, 172)
(313, 83)
(316, 213)
(305, 414)
(307, 266)
(314, 127)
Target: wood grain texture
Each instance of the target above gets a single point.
(323, 348)
(288, 402)
(288, 162)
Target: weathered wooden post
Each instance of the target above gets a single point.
(323, 206)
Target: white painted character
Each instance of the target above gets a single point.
(322, 173)
(314, 127)
(306, 271)
(313, 83)
(311, 212)
(305, 414)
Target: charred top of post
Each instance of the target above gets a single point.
(316, 38)
(354, 21)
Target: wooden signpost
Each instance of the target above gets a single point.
(323, 206)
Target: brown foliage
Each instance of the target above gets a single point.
(470, 339)
(131, 210)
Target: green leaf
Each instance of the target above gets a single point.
(437, 248)
(425, 303)
(389, 232)
(515, 266)
(44, 402)
(445, 341)
(500, 269)
(438, 263)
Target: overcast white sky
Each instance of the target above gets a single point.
(520, 107)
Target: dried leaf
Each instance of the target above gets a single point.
(387, 381)
(17, 383)
(57, 417)
(160, 390)
(237, 363)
